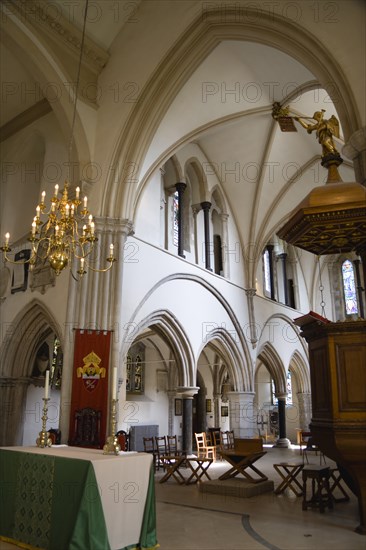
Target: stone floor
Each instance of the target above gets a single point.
(188, 519)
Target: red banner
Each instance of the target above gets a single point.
(89, 398)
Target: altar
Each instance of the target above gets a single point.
(67, 497)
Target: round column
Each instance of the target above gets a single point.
(282, 440)
(187, 397)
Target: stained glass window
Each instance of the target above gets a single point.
(349, 288)
(267, 272)
(135, 372)
(175, 217)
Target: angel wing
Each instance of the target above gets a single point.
(333, 126)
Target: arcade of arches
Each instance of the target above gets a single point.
(191, 178)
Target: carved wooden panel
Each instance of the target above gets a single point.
(320, 380)
(351, 370)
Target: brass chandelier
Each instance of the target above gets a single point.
(68, 229)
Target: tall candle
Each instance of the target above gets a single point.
(46, 384)
(114, 383)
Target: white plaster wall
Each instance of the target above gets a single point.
(34, 410)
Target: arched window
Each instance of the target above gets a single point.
(349, 288)
(267, 272)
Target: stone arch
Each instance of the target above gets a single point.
(270, 358)
(29, 329)
(198, 179)
(32, 325)
(181, 62)
(301, 370)
(226, 347)
(169, 329)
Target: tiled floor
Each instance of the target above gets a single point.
(188, 519)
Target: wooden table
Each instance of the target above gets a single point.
(69, 497)
(288, 472)
(240, 463)
(197, 466)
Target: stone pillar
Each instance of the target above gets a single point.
(241, 412)
(225, 245)
(171, 396)
(282, 440)
(250, 293)
(201, 410)
(216, 410)
(187, 396)
(195, 211)
(270, 248)
(304, 401)
(283, 257)
(180, 187)
(68, 359)
(206, 219)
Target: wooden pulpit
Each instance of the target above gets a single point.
(337, 356)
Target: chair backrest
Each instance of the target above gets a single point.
(87, 428)
(161, 445)
(217, 440)
(201, 440)
(231, 440)
(122, 438)
(149, 446)
(172, 444)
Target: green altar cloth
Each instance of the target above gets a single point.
(54, 503)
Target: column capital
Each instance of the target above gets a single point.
(250, 292)
(281, 396)
(206, 205)
(187, 392)
(180, 186)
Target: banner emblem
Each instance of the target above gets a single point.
(91, 372)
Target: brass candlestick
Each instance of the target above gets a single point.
(44, 440)
(112, 446)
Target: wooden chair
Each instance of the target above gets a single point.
(149, 447)
(161, 450)
(172, 443)
(203, 449)
(218, 443)
(87, 428)
(230, 438)
(122, 438)
(312, 448)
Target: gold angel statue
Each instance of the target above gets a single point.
(325, 130)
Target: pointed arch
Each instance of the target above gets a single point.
(225, 346)
(301, 370)
(165, 324)
(272, 361)
(29, 329)
(181, 62)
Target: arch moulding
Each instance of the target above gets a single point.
(182, 60)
